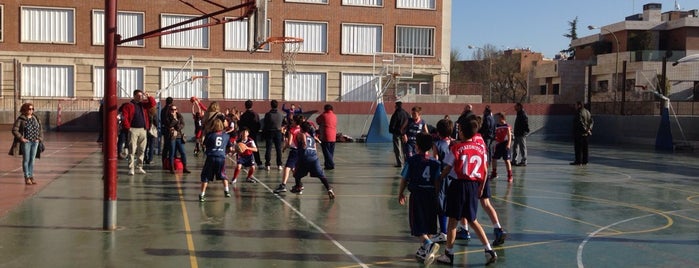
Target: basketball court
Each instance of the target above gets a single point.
(627, 208)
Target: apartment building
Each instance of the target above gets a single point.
(52, 51)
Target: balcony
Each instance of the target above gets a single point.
(656, 55)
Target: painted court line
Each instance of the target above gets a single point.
(315, 226)
(187, 227)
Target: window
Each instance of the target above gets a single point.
(48, 81)
(358, 87)
(309, 1)
(129, 24)
(2, 23)
(630, 84)
(418, 41)
(183, 84)
(602, 86)
(236, 35)
(416, 4)
(47, 25)
(314, 34)
(556, 89)
(304, 87)
(194, 39)
(243, 85)
(370, 3)
(128, 80)
(542, 89)
(361, 39)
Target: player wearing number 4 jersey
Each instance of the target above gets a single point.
(468, 160)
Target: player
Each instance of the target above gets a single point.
(245, 158)
(503, 141)
(198, 131)
(216, 144)
(292, 158)
(419, 175)
(467, 159)
(308, 161)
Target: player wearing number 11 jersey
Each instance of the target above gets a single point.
(468, 160)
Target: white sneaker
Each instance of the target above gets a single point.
(280, 167)
(267, 168)
(442, 237)
(131, 171)
(430, 254)
(141, 171)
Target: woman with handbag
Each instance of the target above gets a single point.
(175, 125)
(28, 134)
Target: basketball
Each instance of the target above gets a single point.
(240, 147)
(192, 99)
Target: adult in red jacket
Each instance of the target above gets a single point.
(137, 122)
(327, 123)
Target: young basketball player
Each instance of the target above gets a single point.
(419, 175)
(308, 161)
(292, 158)
(216, 144)
(467, 159)
(503, 141)
(245, 158)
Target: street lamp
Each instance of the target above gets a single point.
(616, 65)
(490, 72)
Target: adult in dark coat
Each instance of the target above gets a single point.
(399, 121)
(463, 119)
(28, 133)
(521, 131)
(273, 134)
(251, 120)
(487, 130)
(582, 129)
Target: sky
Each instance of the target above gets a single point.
(538, 24)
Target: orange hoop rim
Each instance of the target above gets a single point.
(284, 39)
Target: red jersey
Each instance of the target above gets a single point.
(468, 160)
(502, 132)
(250, 143)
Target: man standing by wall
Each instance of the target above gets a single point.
(519, 147)
(251, 120)
(582, 129)
(273, 134)
(136, 121)
(399, 121)
(327, 123)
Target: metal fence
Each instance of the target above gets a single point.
(687, 108)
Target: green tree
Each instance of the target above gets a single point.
(572, 35)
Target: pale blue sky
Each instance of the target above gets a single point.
(538, 24)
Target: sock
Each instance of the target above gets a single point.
(427, 243)
(250, 172)
(443, 224)
(487, 247)
(202, 193)
(448, 251)
(509, 173)
(226, 189)
(235, 173)
(497, 226)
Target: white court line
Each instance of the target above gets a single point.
(337, 244)
(591, 235)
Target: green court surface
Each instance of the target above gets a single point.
(627, 208)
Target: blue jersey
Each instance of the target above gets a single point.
(421, 173)
(216, 143)
(413, 129)
(308, 153)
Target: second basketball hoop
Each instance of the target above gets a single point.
(292, 45)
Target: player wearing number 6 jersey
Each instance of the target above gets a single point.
(468, 160)
(216, 143)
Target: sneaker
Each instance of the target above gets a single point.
(250, 180)
(442, 237)
(234, 180)
(447, 258)
(510, 179)
(462, 233)
(297, 189)
(490, 257)
(280, 189)
(202, 198)
(131, 171)
(430, 253)
(500, 236)
(494, 174)
(227, 193)
(267, 168)
(331, 194)
(141, 171)
(421, 253)
(280, 168)
(522, 164)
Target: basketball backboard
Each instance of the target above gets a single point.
(257, 26)
(398, 65)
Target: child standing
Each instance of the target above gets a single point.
(440, 150)
(467, 159)
(503, 141)
(308, 161)
(245, 158)
(415, 125)
(198, 131)
(216, 143)
(419, 175)
(292, 158)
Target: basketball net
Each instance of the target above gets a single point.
(289, 57)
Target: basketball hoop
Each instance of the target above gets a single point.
(292, 45)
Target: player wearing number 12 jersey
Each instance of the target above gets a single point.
(468, 160)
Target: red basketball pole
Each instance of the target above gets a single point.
(110, 113)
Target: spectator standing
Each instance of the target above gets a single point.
(28, 133)
(137, 122)
(397, 126)
(327, 123)
(463, 118)
(521, 132)
(487, 130)
(582, 129)
(251, 120)
(165, 152)
(152, 139)
(175, 125)
(272, 129)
